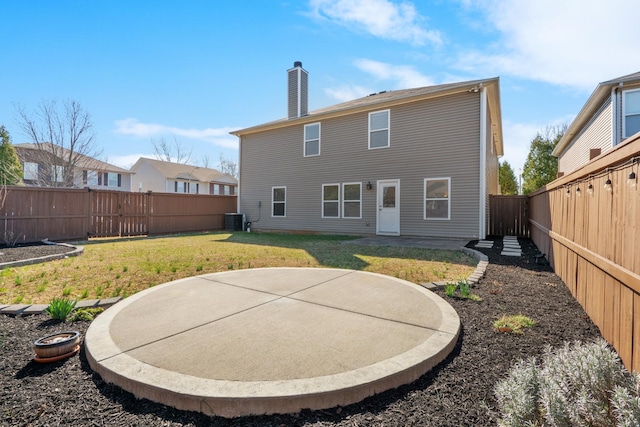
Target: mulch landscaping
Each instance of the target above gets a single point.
(458, 392)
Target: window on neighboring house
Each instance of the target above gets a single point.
(113, 179)
(331, 201)
(180, 187)
(30, 171)
(89, 177)
(227, 190)
(232, 190)
(379, 129)
(351, 200)
(278, 201)
(631, 111)
(312, 139)
(57, 173)
(194, 187)
(216, 189)
(437, 195)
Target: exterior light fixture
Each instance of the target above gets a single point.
(578, 192)
(607, 185)
(590, 189)
(568, 193)
(369, 186)
(631, 180)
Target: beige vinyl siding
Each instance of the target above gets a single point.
(434, 138)
(596, 134)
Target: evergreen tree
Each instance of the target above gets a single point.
(541, 167)
(507, 179)
(10, 167)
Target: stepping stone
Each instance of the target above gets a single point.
(87, 303)
(35, 309)
(511, 246)
(15, 309)
(511, 253)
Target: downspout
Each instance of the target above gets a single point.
(239, 174)
(482, 226)
(614, 118)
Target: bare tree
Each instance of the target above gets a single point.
(63, 141)
(167, 152)
(228, 166)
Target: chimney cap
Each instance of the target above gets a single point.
(297, 64)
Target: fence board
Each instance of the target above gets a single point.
(509, 216)
(32, 213)
(592, 243)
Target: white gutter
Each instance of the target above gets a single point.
(482, 229)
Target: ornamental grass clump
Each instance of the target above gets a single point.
(576, 385)
(60, 308)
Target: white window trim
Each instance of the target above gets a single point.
(425, 199)
(304, 142)
(624, 112)
(336, 201)
(388, 129)
(273, 202)
(344, 200)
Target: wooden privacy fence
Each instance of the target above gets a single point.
(590, 234)
(509, 216)
(30, 214)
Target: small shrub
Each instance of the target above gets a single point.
(465, 288)
(85, 314)
(60, 308)
(576, 385)
(513, 323)
(450, 289)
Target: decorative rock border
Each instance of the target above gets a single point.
(478, 273)
(27, 309)
(77, 251)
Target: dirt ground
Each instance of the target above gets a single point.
(458, 392)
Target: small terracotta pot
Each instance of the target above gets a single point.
(56, 344)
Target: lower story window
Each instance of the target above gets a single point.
(278, 201)
(352, 200)
(30, 171)
(331, 201)
(437, 195)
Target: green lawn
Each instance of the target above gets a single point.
(125, 266)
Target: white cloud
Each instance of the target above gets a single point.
(570, 42)
(127, 160)
(347, 93)
(404, 75)
(216, 136)
(381, 18)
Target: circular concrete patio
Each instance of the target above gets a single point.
(275, 340)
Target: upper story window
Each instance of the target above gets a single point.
(379, 129)
(312, 139)
(112, 179)
(180, 187)
(278, 201)
(89, 177)
(194, 187)
(437, 195)
(30, 171)
(631, 113)
(57, 173)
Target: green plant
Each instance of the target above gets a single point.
(99, 291)
(66, 292)
(450, 289)
(60, 308)
(40, 288)
(576, 385)
(85, 314)
(465, 288)
(18, 281)
(125, 269)
(513, 323)
(84, 294)
(199, 267)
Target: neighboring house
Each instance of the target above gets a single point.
(46, 165)
(611, 115)
(414, 162)
(168, 177)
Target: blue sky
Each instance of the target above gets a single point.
(193, 70)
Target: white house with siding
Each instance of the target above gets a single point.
(610, 115)
(413, 162)
(168, 177)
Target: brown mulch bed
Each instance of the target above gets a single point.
(458, 392)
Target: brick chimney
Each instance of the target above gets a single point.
(297, 79)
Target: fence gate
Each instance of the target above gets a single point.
(116, 213)
(509, 216)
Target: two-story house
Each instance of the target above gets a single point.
(610, 115)
(168, 177)
(415, 162)
(48, 165)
